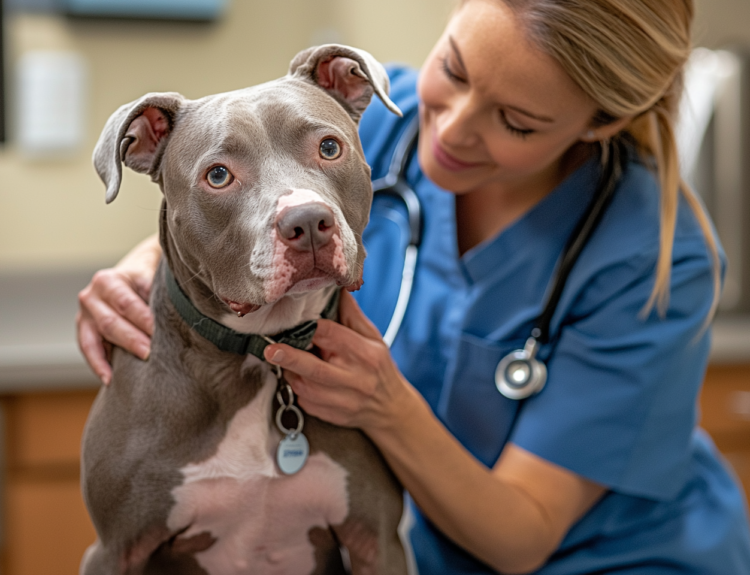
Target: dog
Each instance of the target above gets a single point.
(194, 461)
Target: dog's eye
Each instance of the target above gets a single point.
(219, 177)
(330, 149)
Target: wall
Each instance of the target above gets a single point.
(722, 22)
(52, 213)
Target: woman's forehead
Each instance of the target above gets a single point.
(503, 63)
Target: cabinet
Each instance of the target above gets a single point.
(45, 525)
(725, 414)
(46, 528)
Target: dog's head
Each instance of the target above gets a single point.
(266, 189)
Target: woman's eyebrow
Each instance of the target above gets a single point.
(529, 114)
(457, 53)
(461, 64)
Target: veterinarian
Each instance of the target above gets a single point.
(603, 470)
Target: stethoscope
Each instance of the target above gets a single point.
(394, 184)
(520, 374)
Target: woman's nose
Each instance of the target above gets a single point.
(455, 124)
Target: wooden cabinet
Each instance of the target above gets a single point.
(45, 525)
(46, 528)
(725, 414)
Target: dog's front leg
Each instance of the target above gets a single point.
(129, 559)
(371, 551)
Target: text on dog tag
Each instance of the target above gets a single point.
(292, 453)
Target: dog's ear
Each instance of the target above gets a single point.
(135, 135)
(348, 74)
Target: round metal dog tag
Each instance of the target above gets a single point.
(292, 453)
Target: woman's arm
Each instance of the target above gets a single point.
(114, 309)
(512, 516)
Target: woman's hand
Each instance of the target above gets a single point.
(356, 383)
(114, 309)
(512, 517)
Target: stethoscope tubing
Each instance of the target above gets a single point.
(404, 294)
(614, 154)
(519, 374)
(394, 184)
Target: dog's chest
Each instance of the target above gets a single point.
(258, 518)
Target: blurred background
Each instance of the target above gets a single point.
(68, 64)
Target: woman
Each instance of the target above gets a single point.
(601, 471)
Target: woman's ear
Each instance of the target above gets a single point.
(599, 132)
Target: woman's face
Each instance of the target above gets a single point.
(496, 111)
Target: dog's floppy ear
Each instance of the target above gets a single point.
(348, 74)
(135, 135)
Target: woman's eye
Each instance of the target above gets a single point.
(452, 76)
(219, 177)
(330, 149)
(514, 130)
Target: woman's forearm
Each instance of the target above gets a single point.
(144, 256)
(512, 517)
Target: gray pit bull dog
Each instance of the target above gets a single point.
(266, 194)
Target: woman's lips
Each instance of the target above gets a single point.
(448, 162)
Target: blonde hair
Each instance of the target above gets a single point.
(628, 56)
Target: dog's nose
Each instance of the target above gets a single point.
(306, 227)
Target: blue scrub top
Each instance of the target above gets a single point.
(619, 406)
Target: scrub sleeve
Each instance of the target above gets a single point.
(619, 406)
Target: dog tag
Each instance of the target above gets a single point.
(292, 453)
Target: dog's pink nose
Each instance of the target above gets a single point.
(306, 227)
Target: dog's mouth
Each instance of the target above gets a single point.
(240, 308)
(314, 280)
(308, 281)
(297, 272)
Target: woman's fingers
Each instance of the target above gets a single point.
(352, 317)
(318, 399)
(355, 382)
(111, 310)
(125, 296)
(92, 346)
(112, 326)
(304, 363)
(142, 286)
(322, 389)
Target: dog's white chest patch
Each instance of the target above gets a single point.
(259, 517)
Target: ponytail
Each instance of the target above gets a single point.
(628, 56)
(654, 134)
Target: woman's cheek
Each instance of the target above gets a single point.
(515, 155)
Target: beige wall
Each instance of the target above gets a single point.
(722, 22)
(52, 213)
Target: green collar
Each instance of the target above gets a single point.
(227, 339)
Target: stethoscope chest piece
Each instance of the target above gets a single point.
(519, 374)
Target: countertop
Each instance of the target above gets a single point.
(38, 349)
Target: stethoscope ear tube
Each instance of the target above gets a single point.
(520, 374)
(404, 293)
(614, 156)
(394, 184)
